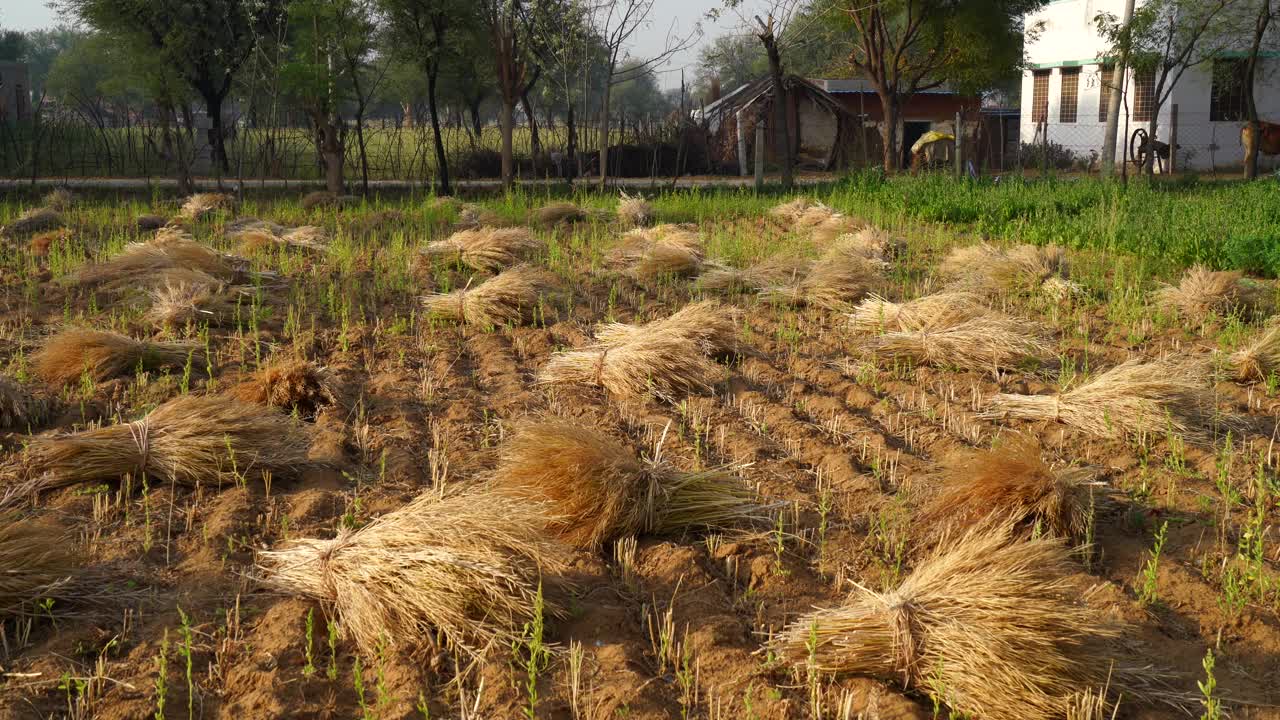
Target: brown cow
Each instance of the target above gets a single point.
(1270, 144)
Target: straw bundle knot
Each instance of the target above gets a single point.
(140, 431)
(906, 633)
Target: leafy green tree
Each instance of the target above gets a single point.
(43, 47)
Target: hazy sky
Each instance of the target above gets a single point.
(676, 16)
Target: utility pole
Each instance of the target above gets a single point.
(1117, 96)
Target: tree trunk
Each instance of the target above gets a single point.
(442, 162)
(782, 131)
(571, 152)
(1250, 72)
(604, 132)
(477, 130)
(889, 132)
(507, 122)
(218, 151)
(329, 142)
(535, 144)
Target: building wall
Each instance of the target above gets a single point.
(817, 128)
(1069, 38)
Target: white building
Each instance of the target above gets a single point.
(1064, 97)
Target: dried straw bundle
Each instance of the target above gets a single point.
(188, 440)
(257, 240)
(33, 221)
(511, 296)
(19, 408)
(707, 323)
(72, 353)
(1021, 269)
(467, 566)
(485, 249)
(200, 204)
(984, 342)
(793, 210)
(838, 279)
(42, 242)
(475, 216)
(635, 210)
(1203, 292)
(179, 304)
(637, 243)
(319, 198)
(924, 314)
(1009, 484)
(650, 361)
(37, 559)
(777, 271)
(312, 237)
(994, 622)
(600, 491)
(247, 224)
(1134, 397)
(559, 213)
(164, 260)
(1259, 359)
(665, 260)
(290, 384)
(59, 199)
(833, 227)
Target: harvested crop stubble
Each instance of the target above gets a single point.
(988, 269)
(188, 440)
(511, 296)
(706, 322)
(69, 355)
(485, 249)
(635, 210)
(650, 361)
(984, 342)
(468, 566)
(1258, 360)
(559, 213)
(1010, 484)
(19, 408)
(33, 221)
(200, 204)
(178, 304)
(930, 312)
(838, 279)
(778, 270)
(1203, 292)
(991, 620)
(1133, 398)
(289, 384)
(598, 490)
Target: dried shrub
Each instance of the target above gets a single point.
(466, 566)
(511, 296)
(485, 249)
(73, 353)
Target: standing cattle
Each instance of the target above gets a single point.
(1267, 144)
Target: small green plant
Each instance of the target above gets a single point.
(1212, 705)
(185, 651)
(310, 668)
(532, 653)
(333, 651)
(1147, 590)
(357, 679)
(162, 673)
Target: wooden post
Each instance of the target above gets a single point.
(742, 144)
(959, 135)
(760, 151)
(1173, 139)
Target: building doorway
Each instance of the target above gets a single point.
(911, 132)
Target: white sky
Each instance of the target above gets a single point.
(676, 16)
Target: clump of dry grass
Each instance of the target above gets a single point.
(838, 279)
(559, 213)
(73, 353)
(778, 271)
(924, 314)
(655, 361)
(707, 323)
(983, 342)
(59, 199)
(148, 221)
(201, 204)
(991, 270)
(599, 491)
(188, 440)
(665, 260)
(994, 622)
(793, 210)
(635, 211)
(1258, 360)
(1009, 484)
(19, 407)
(511, 296)
(37, 558)
(1133, 398)
(169, 258)
(178, 304)
(468, 566)
(319, 198)
(1203, 292)
(42, 242)
(485, 249)
(33, 221)
(476, 216)
(290, 384)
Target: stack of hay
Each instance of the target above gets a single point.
(200, 204)
(1022, 269)
(823, 224)
(510, 297)
(931, 312)
(635, 211)
(33, 221)
(486, 249)
(1203, 292)
(559, 213)
(308, 237)
(72, 354)
(844, 274)
(710, 325)
(985, 341)
(660, 251)
(172, 257)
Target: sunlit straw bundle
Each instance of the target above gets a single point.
(74, 353)
(1203, 292)
(188, 440)
(510, 297)
(59, 199)
(149, 265)
(665, 260)
(838, 279)
(706, 322)
(777, 271)
(792, 211)
(1258, 360)
(599, 491)
(635, 211)
(833, 228)
(289, 384)
(19, 407)
(33, 221)
(179, 304)
(559, 213)
(319, 198)
(983, 342)
(995, 623)
(467, 566)
(1133, 398)
(200, 204)
(636, 243)
(475, 216)
(487, 249)
(1021, 269)
(930, 312)
(651, 361)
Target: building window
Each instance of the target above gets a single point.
(1040, 96)
(1069, 94)
(1144, 95)
(1227, 96)
(1106, 82)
